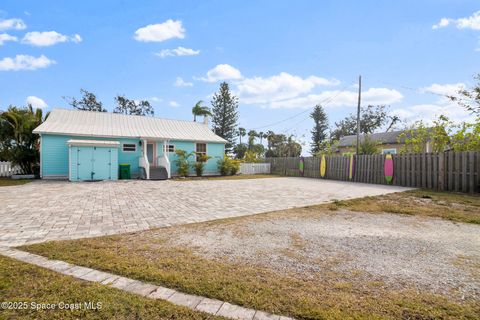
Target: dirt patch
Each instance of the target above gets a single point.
(403, 251)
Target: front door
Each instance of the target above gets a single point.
(150, 153)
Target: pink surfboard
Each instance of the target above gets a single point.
(388, 168)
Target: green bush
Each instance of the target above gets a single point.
(228, 166)
(199, 165)
(182, 162)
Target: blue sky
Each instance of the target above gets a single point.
(280, 57)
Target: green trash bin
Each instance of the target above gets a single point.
(124, 171)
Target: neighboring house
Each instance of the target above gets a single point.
(86, 145)
(388, 142)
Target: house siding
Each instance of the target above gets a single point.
(55, 154)
(214, 150)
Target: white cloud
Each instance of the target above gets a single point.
(471, 22)
(441, 24)
(285, 90)
(15, 24)
(222, 72)
(160, 32)
(179, 82)
(429, 112)
(76, 38)
(442, 106)
(443, 89)
(48, 38)
(155, 99)
(173, 104)
(25, 62)
(337, 98)
(36, 102)
(4, 37)
(259, 90)
(180, 51)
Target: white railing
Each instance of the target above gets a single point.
(164, 162)
(254, 168)
(143, 163)
(7, 170)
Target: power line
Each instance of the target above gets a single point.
(324, 101)
(416, 90)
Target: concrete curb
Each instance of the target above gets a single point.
(193, 302)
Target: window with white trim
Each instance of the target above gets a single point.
(200, 149)
(129, 147)
(170, 148)
(389, 151)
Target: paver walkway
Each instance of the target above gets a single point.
(198, 303)
(56, 210)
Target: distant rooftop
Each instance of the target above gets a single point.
(381, 138)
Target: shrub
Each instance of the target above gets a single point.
(228, 166)
(199, 165)
(182, 162)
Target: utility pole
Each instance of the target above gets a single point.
(358, 110)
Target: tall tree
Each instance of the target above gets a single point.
(469, 98)
(320, 128)
(279, 145)
(199, 110)
(18, 142)
(242, 132)
(252, 134)
(88, 102)
(127, 106)
(225, 115)
(372, 118)
(262, 136)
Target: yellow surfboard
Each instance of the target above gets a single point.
(323, 166)
(350, 168)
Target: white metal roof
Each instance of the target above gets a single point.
(114, 125)
(93, 143)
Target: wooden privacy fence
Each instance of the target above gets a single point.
(6, 169)
(254, 168)
(446, 171)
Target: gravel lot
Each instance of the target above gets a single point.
(402, 251)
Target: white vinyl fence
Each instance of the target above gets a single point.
(6, 169)
(254, 168)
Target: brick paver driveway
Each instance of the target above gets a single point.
(49, 210)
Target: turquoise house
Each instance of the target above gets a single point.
(85, 145)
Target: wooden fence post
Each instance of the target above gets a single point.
(441, 171)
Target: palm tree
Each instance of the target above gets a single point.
(261, 135)
(17, 126)
(242, 132)
(199, 110)
(251, 138)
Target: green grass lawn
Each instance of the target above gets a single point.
(452, 206)
(6, 182)
(23, 282)
(325, 295)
